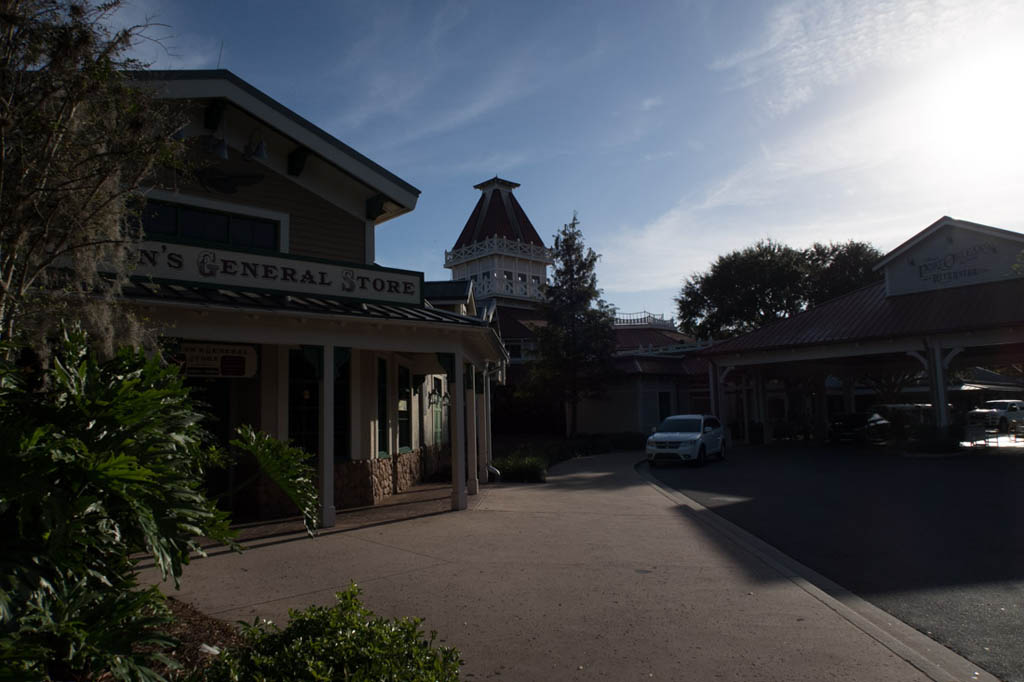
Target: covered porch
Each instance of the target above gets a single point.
(384, 395)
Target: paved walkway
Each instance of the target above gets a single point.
(596, 575)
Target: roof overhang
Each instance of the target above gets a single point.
(276, 318)
(946, 221)
(392, 195)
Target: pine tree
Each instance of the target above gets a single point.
(575, 348)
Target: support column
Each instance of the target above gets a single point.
(327, 439)
(849, 397)
(457, 424)
(472, 482)
(821, 409)
(937, 375)
(483, 456)
(640, 404)
(713, 406)
(487, 427)
(723, 402)
(761, 400)
(744, 403)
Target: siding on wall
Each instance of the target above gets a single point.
(317, 228)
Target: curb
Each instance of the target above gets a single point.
(933, 660)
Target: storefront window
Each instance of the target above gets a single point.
(382, 407)
(342, 401)
(404, 409)
(192, 223)
(304, 370)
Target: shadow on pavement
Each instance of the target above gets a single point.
(937, 542)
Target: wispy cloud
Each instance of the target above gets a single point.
(809, 45)
(877, 173)
(650, 103)
(488, 163)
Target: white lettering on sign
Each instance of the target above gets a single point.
(195, 264)
(953, 257)
(215, 360)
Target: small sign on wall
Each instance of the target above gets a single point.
(218, 360)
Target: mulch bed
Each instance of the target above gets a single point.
(192, 629)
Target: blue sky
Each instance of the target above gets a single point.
(677, 130)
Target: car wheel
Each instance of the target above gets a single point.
(721, 451)
(702, 458)
(1004, 426)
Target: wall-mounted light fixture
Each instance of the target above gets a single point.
(435, 398)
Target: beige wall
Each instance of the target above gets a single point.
(317, 228)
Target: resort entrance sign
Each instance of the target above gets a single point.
(162, 261)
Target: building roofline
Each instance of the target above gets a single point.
(946, 221)
(188, 84)
(508, 184)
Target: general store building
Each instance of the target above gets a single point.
(261, 269)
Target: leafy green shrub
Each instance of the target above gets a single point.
(522, 468)
(286, 466)
(101, 461)
(342, 642)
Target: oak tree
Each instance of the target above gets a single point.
(77, 139)
(769, 281)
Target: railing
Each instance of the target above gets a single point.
(497, 246)
(644, 319)
(485, 288)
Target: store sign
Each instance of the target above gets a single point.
(219, 267)
(952, 258)
(218, 360)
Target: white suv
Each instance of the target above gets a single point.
(999, 414)
(686, 438)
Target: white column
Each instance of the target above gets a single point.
(483, 457)
(487, 427)
(457, 424)
(472, 483)
(327, 439)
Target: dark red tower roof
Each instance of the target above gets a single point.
(498, 214)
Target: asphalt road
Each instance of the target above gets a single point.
(936, 542)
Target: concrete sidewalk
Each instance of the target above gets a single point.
(596, 575)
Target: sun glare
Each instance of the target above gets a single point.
(972, 112)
